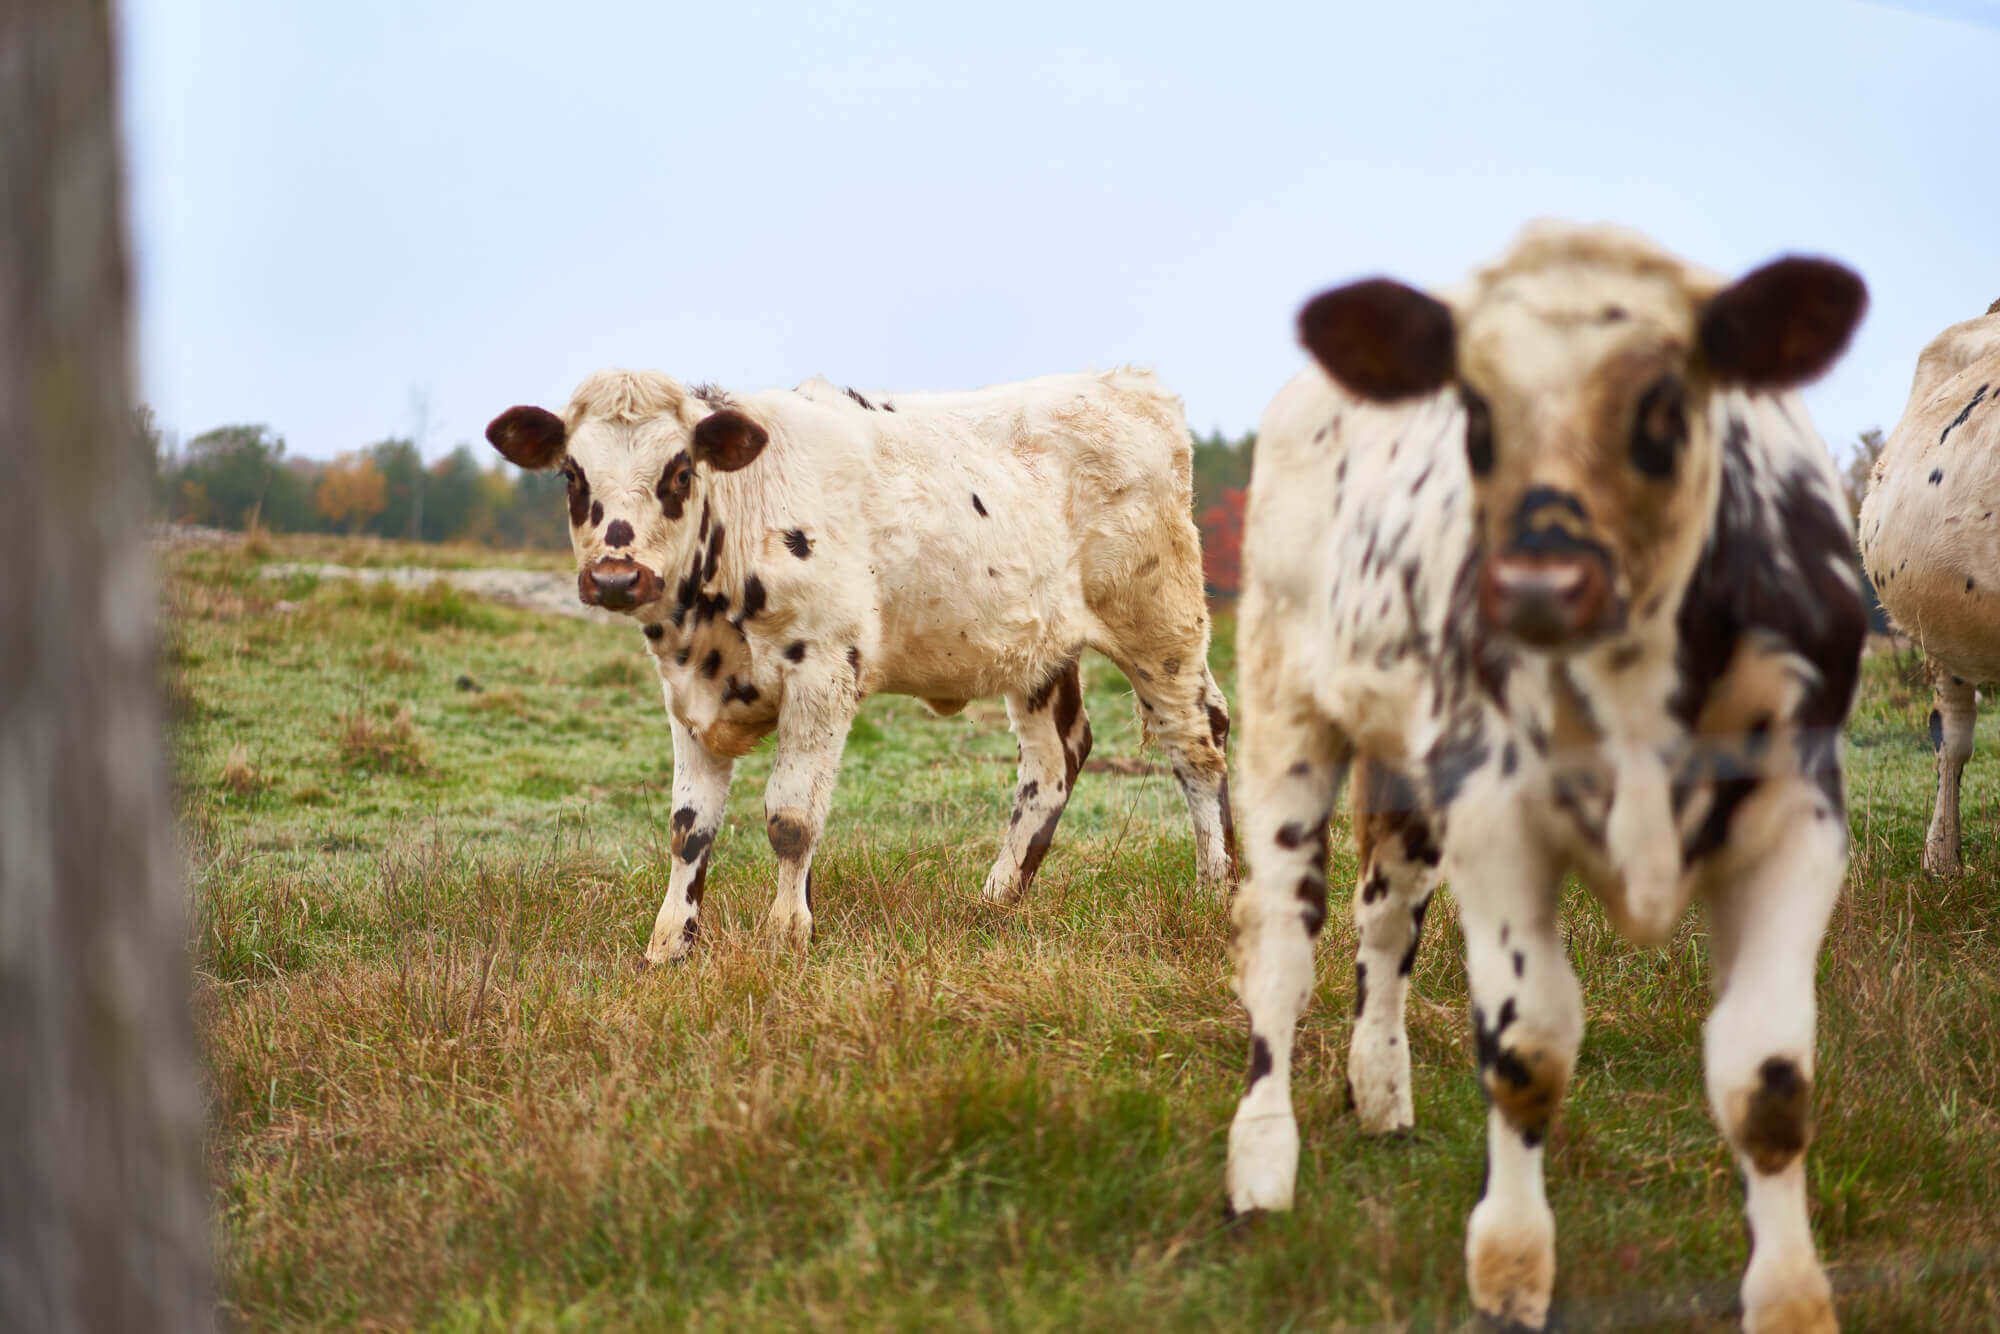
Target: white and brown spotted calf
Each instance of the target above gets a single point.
(1931, 542)
(791, 552)
(1559, 572)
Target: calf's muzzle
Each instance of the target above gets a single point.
(1550, 585)
(1545, 601)
(617, 583)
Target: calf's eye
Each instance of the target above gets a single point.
(1659, 427)
(1478, 432)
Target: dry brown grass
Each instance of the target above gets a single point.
(504, 700)
(387, 660)
(384, 739)
(239, 775)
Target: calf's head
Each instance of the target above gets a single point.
(1585, 363)
(633, 448)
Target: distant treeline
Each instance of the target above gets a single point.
(237, 476)
(240, 476)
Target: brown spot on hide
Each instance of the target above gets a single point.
(1311, 893)
(789, 834)
(1260, 1062)
(1038, 847)
(676, 482)
(753, 599)
(1777, 1120)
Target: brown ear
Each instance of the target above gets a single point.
(530, 438)
(1784, 324)
(1380, 339)
(727, 440)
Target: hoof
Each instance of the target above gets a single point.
(1510, 1265)
(1003, 891)
(1378, 1082)
(1788, 1298)
(794, 932)
(1488, 1324)
(672, 945)
(1240, 1222)
(1794, 1315)
(1263, 1160)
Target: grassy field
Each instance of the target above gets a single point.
(428, 837)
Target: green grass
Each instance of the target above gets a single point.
(443, 1097)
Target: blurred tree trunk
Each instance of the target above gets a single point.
(103, 1224)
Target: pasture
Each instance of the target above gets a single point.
(427, 836)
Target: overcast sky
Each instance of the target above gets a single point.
(341, 209)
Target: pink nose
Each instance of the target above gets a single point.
(1545, 601)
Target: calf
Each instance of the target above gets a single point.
(789, 553)
(1932, 547)
(1559, 573)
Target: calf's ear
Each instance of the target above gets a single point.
(1782, 325)
(530, 438)
(1380, 339)
(727, 440)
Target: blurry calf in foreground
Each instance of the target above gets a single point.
(790, 552)
(1932, 545)
(1556, 570)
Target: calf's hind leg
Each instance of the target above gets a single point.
(1768, 921)
(1953, 714)
(1399, 871)
(1054, 737)
(1182, 708)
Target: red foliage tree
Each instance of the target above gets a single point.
(1222, 543)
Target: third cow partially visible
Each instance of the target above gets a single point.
(1931, 542)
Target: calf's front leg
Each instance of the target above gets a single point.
(1527, 1016)
(1769, 918)
(1053, 733)
(1292, 768)
(701, 792)
(812, 729)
